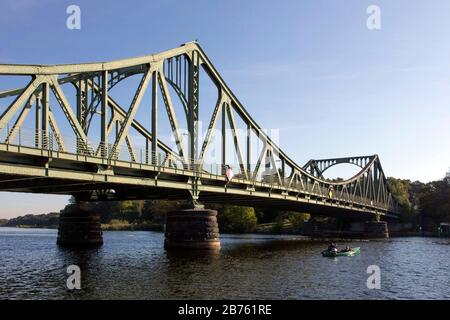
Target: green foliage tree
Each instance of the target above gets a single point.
(108, 210)
(400, 190)
(266, 215)
(434, 201)
(147, 211)
(130, 210)
(31, 220)
(295, 219)
(237, 219)
(160, 208)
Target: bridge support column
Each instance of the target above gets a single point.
(376, 230)
(79, 228)
(194, 228)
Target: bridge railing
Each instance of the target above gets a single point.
(51, 141)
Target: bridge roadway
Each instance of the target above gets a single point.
(90, 178)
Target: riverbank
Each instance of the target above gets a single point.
(125, 226)
(29, 226)
(105, 227)
(262, 229)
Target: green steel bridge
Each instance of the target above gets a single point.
(62, 132)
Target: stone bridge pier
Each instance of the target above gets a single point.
(193, 228)
(79, 227)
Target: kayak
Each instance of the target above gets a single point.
(350, 253)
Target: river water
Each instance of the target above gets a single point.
(134, 265)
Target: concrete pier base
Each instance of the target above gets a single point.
(192, 229)
(79, 228)
(376, 230)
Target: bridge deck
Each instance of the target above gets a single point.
(32, 170)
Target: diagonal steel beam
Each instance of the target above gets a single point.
(67, 109)
(115, 107)
(131, 112)
(121, 113)
(292, 178)
(274, 164)
(171, 115)
(53, 124)
(130, 148)
(236, 140)
(260, 160)
(212, 125)
(111, 124)
(20, 100)
(20, 119)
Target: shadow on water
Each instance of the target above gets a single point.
(237, 248)
(176, 259)
(81, 257)
(173, 255)
(268, 247)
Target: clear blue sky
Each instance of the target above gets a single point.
(310, 68)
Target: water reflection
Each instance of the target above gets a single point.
(133, 265)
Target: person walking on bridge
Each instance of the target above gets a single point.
(228, 173)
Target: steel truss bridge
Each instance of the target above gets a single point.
(95, 159)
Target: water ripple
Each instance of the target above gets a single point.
(133, 265)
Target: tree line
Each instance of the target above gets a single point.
(424, 204)
(31, 220)
(234, 219)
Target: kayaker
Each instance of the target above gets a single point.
(332, 247)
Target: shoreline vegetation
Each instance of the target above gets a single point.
(422, 208)
(274, 228)
(265, 229)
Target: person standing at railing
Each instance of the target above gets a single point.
(228, 173)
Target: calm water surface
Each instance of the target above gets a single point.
(133, 265)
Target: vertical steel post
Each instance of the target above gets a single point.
(224, 136)
(249, 149)
(38, 121)
(154, 150)
(45, 114)
(80, 101)
(80, 115)
(85, 104)
(193, 106)
(267, 159)
(118, 125)
(147, 150)
(104, 115)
